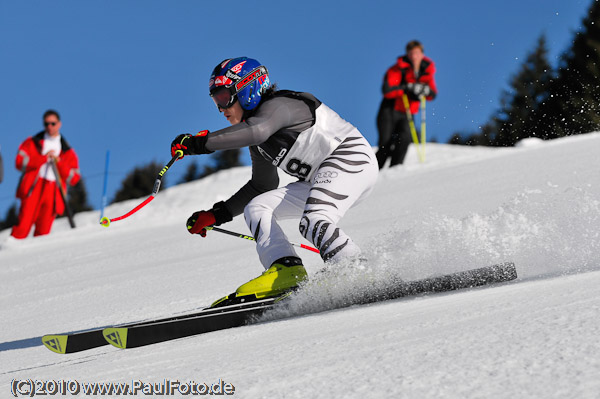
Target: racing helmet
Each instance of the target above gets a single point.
(240, 79)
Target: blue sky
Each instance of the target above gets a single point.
(128, 76)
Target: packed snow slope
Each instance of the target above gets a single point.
(537, 205)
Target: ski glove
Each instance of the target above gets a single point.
(197, 223)
(219, 214)
(419, 89)
(190, 145)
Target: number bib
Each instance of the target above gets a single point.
(300, 154)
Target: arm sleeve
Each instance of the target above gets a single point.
(272, 116)
(264, 178)
(28, 157)
(68, 167)
(428, 78)
(392, 84)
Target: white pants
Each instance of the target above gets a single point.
(345, 178)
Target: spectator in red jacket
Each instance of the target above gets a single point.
(411, 75)
(38, 189)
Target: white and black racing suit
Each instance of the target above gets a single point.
(334, 163)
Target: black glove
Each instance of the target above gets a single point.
(190, 145)
(419, 89)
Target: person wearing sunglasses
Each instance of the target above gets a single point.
(294, 131)
(409, 79)
(38, 188)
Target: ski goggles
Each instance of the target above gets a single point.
(224, 97)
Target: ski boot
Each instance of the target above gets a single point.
(283, 276)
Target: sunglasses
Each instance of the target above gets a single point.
(50, 123)
(224, 97)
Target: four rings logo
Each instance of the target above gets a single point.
(326, 175)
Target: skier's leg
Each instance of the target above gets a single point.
(404, 139)
(352, 168)
(263, 213)
(284, 269)
(343, 180)
(385, 127)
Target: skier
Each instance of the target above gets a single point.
(412, 75)
(335, 166)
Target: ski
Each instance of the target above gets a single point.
(74, 342)
(147, 334)
(142, 335)
(450, 282)
(90, 339)
(213, 319)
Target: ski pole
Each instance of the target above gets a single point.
(250, 238)
(63, 194)
(423, 134)
(105, 222)
(411, 123)
(105, 184)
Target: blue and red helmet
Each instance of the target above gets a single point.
(240, 79)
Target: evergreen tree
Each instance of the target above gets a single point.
(191, 173)
(228, 159)
(529, 88)
(11, 218)
(574, 104)
(517, 116)
(139, 182)
(78, 199)
(482, 138)
(456, 138)
(488, 131)
(223, 160)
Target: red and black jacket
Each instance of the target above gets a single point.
(401, 73)
(30, 159)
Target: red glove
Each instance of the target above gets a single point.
(198, 222)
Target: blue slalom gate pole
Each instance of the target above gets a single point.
(105, 183)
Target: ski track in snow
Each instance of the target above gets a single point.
(537, 205)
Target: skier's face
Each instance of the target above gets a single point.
(234, 113)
